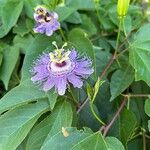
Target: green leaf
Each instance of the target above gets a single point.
(96, 88)
(147, 107)
(88, 25)
(149, 125)
(120, 80)
(128, 123)
(90, 91)
(77, 140)
(59, 141)
(23, 42)
(64, 12)
(9, 11)
(79, 39)
(60, 117)
(74, 18)
(106, 23)
(139, 54)
(22, 27)
(10, 57)
(29, 6)
(1, 59)
(147, 110)
(102, 58)
(52, 98)
(52, 4)
(81, 5)
(114, 144)
(94, 141)
(20, 95)
(15, 124)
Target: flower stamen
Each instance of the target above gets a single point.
(59, 55)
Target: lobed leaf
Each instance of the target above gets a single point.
(147, 110)
(139, 54)
(10, 58)
(15, 124)
(60, 117)
(120, 80)
(9, 16)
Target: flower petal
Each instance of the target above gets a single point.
(84, 62)
(84, 67)
(40, 68)
(40, 28)
(48, 84)
(73, 54)
(39, 77)
(61, 85)
(55, 15)
(44, 59)
(84, 71)
(55, 25)
(75, 80)
(49, 31)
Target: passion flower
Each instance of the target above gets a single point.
(59, 68)
(46, 22)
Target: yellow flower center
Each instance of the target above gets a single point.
(59, 55)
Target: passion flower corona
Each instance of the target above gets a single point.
(59, 68)
(46, 22)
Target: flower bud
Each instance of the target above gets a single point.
(122, 7)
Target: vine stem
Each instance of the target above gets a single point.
(82, 105)
(135, 136)
(144, 140)
(106, 129)
(135, 95)
(62, 34)
(147, 136)
(95, 115)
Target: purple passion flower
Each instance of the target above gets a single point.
(46, 22)
(59, 68)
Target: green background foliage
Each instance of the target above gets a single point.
(31, 119)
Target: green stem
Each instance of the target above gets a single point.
(135, 136)
(95, 115)
(128, 103)
(117, 41)
(62, 34)
(118, 36)
(124, 28)
(144, 140)
(97, 11)
(147, 136)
